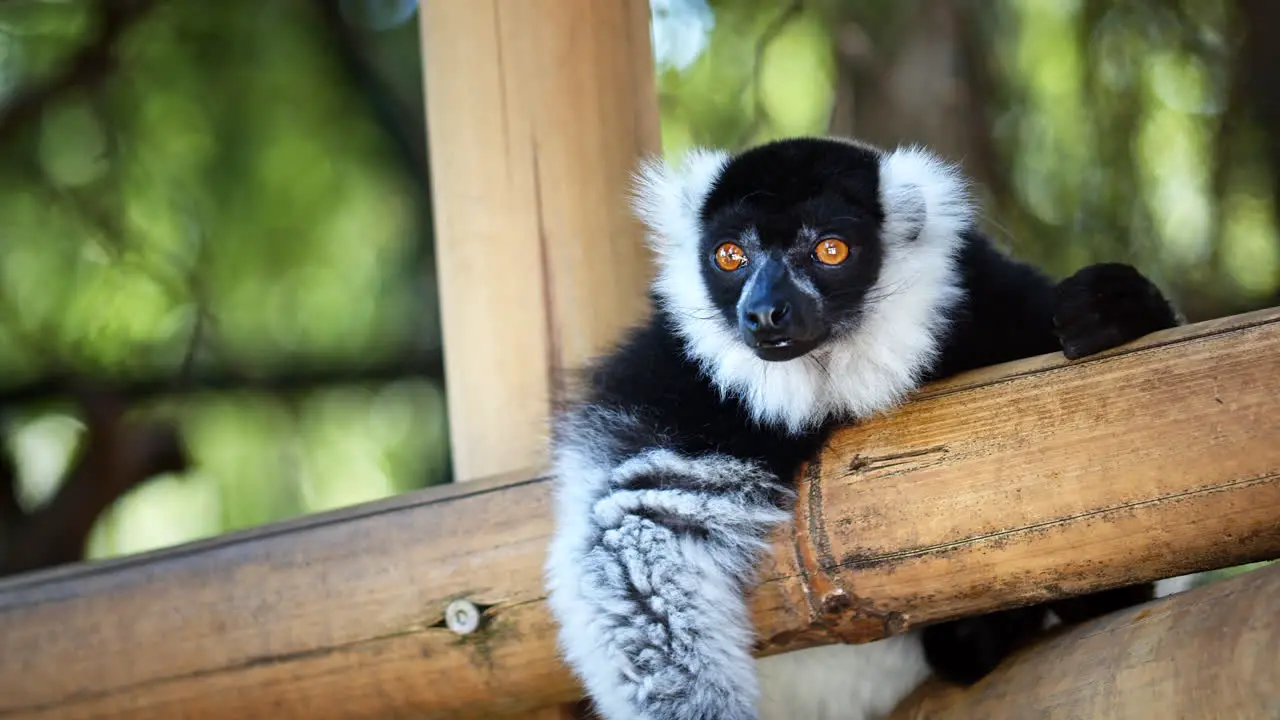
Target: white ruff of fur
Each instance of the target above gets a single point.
(841, 682)
(868, 370)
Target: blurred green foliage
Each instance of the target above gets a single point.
(244, 193)
(225, 200)
(1097, 130)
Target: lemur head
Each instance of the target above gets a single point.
(811, 277)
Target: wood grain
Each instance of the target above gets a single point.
(1206, 653)
(537, 114)
(1039, 480)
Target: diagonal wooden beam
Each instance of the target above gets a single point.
(1027, 481)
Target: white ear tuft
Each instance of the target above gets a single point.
(668, 196)
(923, 196)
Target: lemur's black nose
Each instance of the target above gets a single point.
(768, 318)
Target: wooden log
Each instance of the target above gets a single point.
(1028, 481)
(1207, 653)
(537, 114)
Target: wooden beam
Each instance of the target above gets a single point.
(1028, 481)
(1206, 653)
(537, 114)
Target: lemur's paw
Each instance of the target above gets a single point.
(1080, 608)
(965, 651)
(1106, 305)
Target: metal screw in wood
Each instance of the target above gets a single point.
(462, 617)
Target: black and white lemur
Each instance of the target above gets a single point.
(801, 283)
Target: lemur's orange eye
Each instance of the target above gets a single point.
(730, 257)
(831, 251)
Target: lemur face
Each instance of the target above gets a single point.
(791, 243)
(809, 277)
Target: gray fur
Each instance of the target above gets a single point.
(649, 582)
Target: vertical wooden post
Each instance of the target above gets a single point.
(537, 113)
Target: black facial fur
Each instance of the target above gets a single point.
(779, 175)
(776, 201)
(775, 316)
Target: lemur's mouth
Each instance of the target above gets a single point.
(782, 349)
(785, 347)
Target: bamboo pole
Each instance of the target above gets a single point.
(1027, 481)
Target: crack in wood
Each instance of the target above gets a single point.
(896, 463)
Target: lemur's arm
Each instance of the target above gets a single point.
(648, 570)
(1098, 308)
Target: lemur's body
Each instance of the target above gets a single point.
(676, 464)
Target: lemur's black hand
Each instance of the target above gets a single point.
(964, 651)
(1106, 305)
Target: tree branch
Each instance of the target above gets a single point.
(1258, 58)
(117, 455)
(10, 509)
(291, 381)
(770, 33)
(398, 120)
(89, 65)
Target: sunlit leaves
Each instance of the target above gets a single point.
(42, 450)
(1055, 143)
(119, 315)
(390, 424)
(796, 76)
(765, 72)
(163, 512)
(1174, 150)
(1250, 243)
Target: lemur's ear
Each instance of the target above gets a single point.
(668, 196)
(923, 196)
(904, 213)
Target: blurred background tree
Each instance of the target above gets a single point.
(217, 299)
(213, 215)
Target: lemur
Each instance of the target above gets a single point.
(801, 283)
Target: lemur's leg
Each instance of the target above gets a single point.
(648, 574)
